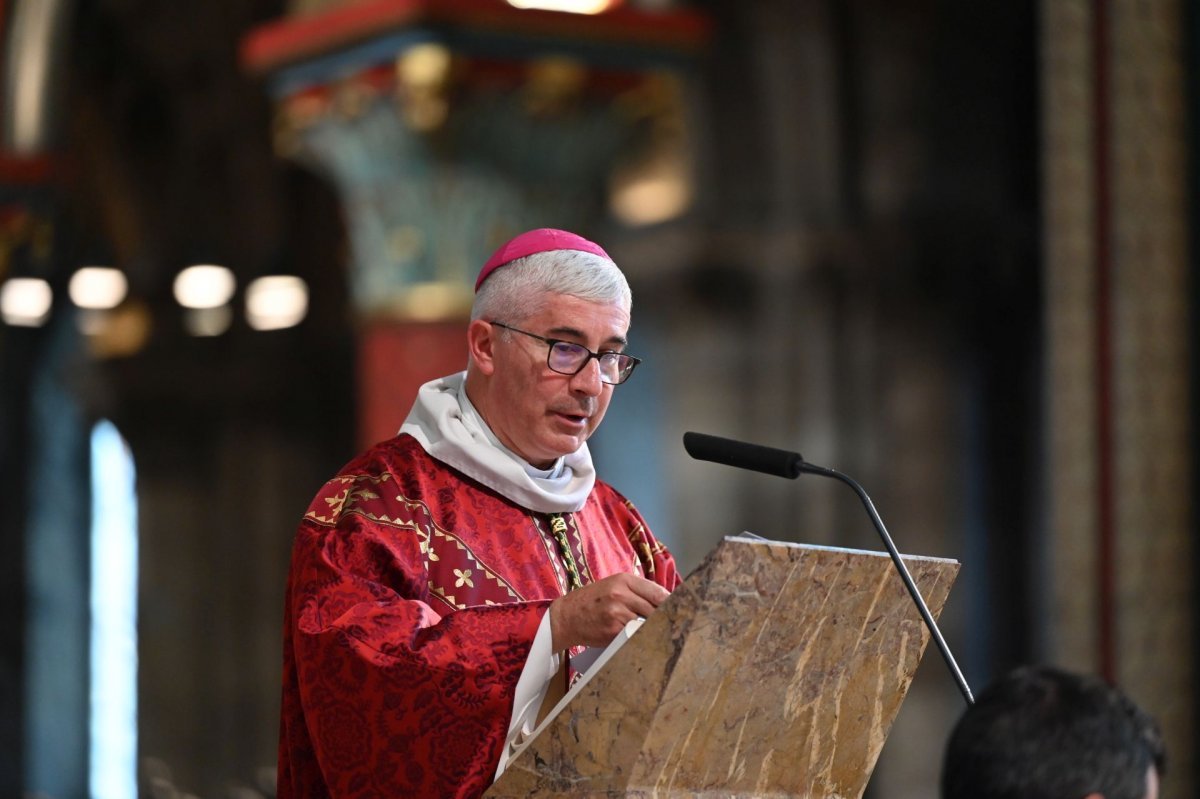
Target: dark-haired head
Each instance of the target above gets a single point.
(1044, 733)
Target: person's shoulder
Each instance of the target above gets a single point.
(606, 489)
(388, 475)
(402, 445)
(399, 457)
(609, 498)
(396, 452)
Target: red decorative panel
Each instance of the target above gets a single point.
(394, 360)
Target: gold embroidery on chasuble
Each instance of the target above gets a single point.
(552, 556)
(558, 528)
(644, 551)
(642, 548)
(451, 566)
(576, 538)
(463, 569)
(341, 494)
(564, 548)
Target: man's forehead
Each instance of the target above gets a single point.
(559, 302)
(566, 312)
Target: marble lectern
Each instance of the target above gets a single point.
(776, 669)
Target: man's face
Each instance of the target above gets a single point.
(541, 414)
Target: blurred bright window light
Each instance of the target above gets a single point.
(98, 287)
(113, 652)
(276, 301)
(569, 6)
(204, 286)
(25, 301)
(651, 200)
(425, 64)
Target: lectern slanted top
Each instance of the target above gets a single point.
(776, 669)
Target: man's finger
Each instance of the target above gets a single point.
(640, 606)
(652, 592)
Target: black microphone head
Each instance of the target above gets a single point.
(756, 457)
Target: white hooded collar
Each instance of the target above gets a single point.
(450, 429)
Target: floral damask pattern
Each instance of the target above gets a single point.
(413, 599)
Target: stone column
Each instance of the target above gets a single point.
(1119, 556)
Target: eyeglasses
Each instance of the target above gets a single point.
(569, 358)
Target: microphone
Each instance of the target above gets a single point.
(755, 457)
(791, 465)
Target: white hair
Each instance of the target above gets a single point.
(516, 291)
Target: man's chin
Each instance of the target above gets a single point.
(559, 447)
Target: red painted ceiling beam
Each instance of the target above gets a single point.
(293, 39)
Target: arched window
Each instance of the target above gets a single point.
(113, 602)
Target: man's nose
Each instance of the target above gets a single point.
(587, 380)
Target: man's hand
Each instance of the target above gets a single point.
(594, 614)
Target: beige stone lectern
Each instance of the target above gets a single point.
(774, 670)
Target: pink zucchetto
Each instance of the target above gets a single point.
(540, 240)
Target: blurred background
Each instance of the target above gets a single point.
(944, 247)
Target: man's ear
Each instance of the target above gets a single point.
(481, 340)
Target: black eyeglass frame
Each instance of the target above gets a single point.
(632, 360)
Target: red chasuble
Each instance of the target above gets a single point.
(413, 599)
